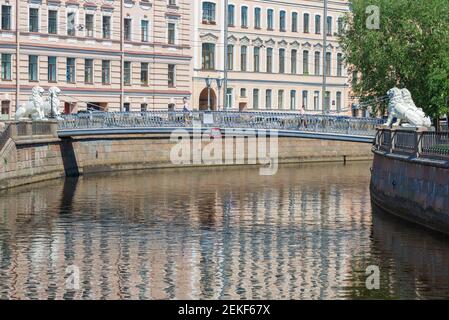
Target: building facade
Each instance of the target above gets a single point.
(104, 54)
(275, 57)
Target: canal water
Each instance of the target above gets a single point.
(309, 232)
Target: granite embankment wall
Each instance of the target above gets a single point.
(410, 184)
(24, 161)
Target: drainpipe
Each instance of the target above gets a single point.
(17, 56)
(323, 95)
(122, 56)
(225, 42)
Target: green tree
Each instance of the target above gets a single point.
(409, 49)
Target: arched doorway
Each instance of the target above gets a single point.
(203, 100)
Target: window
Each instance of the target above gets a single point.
(327, 101)
(328, 63)
(52, 21)
(268, 99)
(270, 19)
(70, 70)
(339, 64)
(281, 60)
(294, 22)
(305, 100)
(244, 17)
(305, 62)
(51, 69)
(126, 106)
(209, 12)
(127, 22)
(354, 79)
(340, 25)
(144, 30)
(257, 20)
(316, 100)
(317, 24)
(106, 27)
(269, 60)
(143, 107)
(144, 73)
(243, 58)
(171, 75)
(105, 71)
(256, 99)
(293, 99)
(71, 24)
(293, 64)
(89, 25)
(256, 59)
(338, 101)
(306, 23)
(243, 93)
(329, 26)
(6, 66)
(208, 56)
(228, 104)
(317, 63)
(282, 21)
(230, 59)
(88, 71)
(5, 108)
(231, 15)
(127, 73)
(171, 33)
(6, 17)
(33, 68)
(34, 20)
(172, 2)
(281, 99)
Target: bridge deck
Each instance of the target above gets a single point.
(284, 124)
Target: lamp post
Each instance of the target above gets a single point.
(208, 84)
(219, 86)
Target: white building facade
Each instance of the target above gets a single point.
(275, 58)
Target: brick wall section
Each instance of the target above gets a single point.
(418, 192)
(23, 163)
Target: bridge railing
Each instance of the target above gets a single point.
(415, 143)
(222, 119)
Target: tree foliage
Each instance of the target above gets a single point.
(410, 49)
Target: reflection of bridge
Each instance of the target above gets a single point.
(286, 124)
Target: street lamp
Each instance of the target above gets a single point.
(208, 84)
(219, 86)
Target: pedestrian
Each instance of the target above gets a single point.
(185, 107)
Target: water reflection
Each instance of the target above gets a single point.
(307, 232)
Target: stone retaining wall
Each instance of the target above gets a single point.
(414, 189)
(28, 161)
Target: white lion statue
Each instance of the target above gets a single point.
(34, 109)
(402, 107)
(53, 93)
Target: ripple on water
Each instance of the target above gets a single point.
(308, 232)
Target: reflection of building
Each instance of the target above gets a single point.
(214, 233)
(84, 46)
(275, 54)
